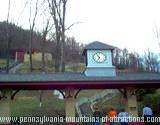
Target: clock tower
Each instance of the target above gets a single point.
(98, 57)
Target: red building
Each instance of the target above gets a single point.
(19, 55)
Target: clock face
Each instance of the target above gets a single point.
(99, 57)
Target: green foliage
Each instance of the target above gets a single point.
(142, 92)
(2, 62)
(153, 100)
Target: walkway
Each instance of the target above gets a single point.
(15, 68)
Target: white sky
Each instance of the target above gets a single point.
(122, 23)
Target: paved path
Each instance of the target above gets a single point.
(15, 68)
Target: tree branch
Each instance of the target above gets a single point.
(73, 25)
(9, 6)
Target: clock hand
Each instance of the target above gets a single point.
(98, 57)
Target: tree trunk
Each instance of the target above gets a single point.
(8, 37)
(43, 53)
(30, 51)
(63, 54)
(63, 37)
(8, 52)
(43, 61)
(57, 57)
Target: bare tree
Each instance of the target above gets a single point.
(63, 35)
(125, 57)
(32, 26)
(58, 12)
(157, 34)
(116, 56)
(25, 4)
(7, 37)
(43, 42)
(151, 62)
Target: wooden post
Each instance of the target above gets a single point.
(5, 102)
(70, 107)
(70, 102)
(132, 102)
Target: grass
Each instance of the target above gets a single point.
(26, 103)
(25, 68)
(3, 62)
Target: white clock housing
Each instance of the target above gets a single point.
(99, 59)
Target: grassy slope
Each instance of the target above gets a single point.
(26, 103)
(49, 67)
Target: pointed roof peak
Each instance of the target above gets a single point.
(98, 45)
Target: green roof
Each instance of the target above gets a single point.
(70, 76)
(99, 45)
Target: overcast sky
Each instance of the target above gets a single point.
(122, 23)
